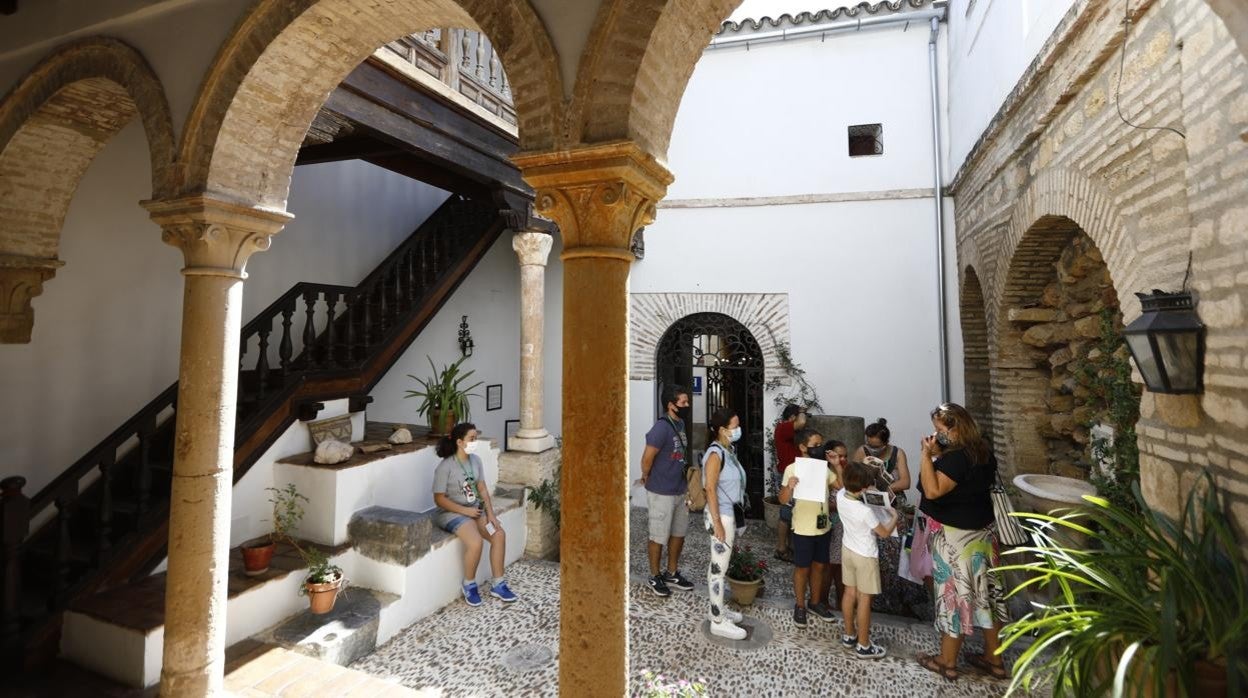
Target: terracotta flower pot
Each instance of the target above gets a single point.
(256, 557)
(441, 423)
(744, 592)
(321, 597)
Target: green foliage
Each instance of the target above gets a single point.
(801, 391)
(287, 512)
(1149, 598)
(744, 565)
(444, 391)
(659, 686)
(320, 571)
(546, 495)
(1115, 402)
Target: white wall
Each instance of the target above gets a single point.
(490, 298)
(107, 327)
(990, 47)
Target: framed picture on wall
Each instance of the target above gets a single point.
(493, 397)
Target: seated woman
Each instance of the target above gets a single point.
(466, 509)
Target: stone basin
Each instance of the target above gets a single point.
(1045, 493)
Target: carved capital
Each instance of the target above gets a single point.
(21, 279)
(216, 237)
(599, 195)
(532, 248)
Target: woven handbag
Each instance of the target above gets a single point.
(1009, 532)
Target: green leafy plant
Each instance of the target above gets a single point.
(659, 686)
(444, 392)
(320, 570)
(744, 565)
(287, 512)
(800, 391)
(1141, 606)
(1114, 400)
(545, 497)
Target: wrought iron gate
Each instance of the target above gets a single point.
(733, 364)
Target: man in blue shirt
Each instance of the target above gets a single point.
(663, 466)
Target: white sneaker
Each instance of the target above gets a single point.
(729, 615)
(728, 629)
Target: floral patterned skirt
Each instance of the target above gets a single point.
(969, 594)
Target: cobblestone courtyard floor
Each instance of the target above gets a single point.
(498, 650)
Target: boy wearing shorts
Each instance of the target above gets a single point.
(812, 534)
(860, 564)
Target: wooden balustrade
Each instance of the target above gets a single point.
(466, 62)
(14, 526)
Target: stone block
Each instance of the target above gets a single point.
(842, 428)
(339, 637)
(391, 535)
(1089, 327)
(1182, 411)
(1032, 315)
(1049, 334)
(528, 469)
(542, 534)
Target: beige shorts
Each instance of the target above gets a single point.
(860, 571)
(669, 516)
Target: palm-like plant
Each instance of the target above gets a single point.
(444, 394)
(1135, 613)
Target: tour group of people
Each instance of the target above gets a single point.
(835, 541)
(839, 539)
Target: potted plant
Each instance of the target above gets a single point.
(287, 513)
(444, 399)
(324, 581)
(745, 574)
(1154, 606)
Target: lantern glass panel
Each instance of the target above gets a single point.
(1142, 349)
(1179, 355)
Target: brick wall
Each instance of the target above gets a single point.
(1057, 154)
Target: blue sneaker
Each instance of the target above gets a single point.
(501, 591)
(472, 595)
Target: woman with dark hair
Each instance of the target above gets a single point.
(896, 466)
(955, 473)
(466, 509)
(724, 480)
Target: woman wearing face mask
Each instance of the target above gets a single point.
(466, 509)
(724, 479)
(895, 463)
(955, 474)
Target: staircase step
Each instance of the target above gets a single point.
(341, 636)
(391, 535)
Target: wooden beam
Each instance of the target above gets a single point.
(337, 151)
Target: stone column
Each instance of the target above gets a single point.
(599, 196)
(21, 279)
(216, 239)
(532, 248)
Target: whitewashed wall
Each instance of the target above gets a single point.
(107, 328)
(991, 44)
(860, 274)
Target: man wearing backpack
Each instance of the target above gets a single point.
(663, 466)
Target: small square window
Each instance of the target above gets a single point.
(866, 139)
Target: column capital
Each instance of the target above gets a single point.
(216, 237)
(532, 248)
(21, 279)
(599, 195)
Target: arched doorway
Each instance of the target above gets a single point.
(975, 348)
(718, 359)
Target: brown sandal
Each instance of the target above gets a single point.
(987, 668)
(932, 663)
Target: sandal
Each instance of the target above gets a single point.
(784, 556)
(987, 668)
(932, 663)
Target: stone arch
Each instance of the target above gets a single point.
(52, 125)
(636, 66)
(272, 75)
(974, 320)
(765, 315)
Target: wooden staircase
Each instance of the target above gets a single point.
(104, 520)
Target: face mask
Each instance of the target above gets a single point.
(735, 435)
(817, 452)
(683, 413)
(471, 447)
(873, 451)
(942, 438)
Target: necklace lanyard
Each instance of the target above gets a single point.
(680, 435)
(469, 476)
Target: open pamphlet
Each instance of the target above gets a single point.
(881, 502)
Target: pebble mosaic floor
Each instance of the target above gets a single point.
(497, 650)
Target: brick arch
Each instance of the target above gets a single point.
(636, 66)
(52, 125)
(972, 308)
(274, 72)
(765, 315)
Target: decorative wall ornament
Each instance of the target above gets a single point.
(765, 315)
(336, 428)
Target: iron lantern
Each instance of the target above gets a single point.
(1168, 343)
